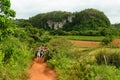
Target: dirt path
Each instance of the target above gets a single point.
(40, 71)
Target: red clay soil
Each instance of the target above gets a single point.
(85, 43)
(40, 71)
(116, 42)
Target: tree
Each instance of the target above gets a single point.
(6, 15)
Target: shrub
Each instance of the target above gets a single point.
(82, 69)
(21, 34)
(57, 46)
(45, 38)
(107, 40)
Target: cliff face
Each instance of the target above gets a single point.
(56, 25)
(52, 20)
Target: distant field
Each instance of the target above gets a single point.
(85, 43)
(82, 38)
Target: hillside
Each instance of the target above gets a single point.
(88, 19)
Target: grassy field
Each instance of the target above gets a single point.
(83, 38)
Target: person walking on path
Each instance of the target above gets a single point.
(40, 52)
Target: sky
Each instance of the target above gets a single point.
(28, 8)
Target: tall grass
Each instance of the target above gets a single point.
(108, 58)
(15, 59)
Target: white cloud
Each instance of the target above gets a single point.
(28, 8)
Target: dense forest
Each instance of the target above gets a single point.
(88, 19)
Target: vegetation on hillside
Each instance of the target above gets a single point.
(41, 20)
(90, 19)
(88, 22)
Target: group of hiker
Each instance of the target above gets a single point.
(40, 51)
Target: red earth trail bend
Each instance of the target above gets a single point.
(40, 71)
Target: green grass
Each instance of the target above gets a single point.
(105, 49)
(83, 38)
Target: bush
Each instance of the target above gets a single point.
(57, 46)
(107, 40)
(45, 38)
(82, 69)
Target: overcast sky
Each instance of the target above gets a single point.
(29, 8)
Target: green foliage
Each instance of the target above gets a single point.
(83, 38)
(32, 36)
(73, 64)
(14, 58)
(104, 72)
(21, 34)
(82, 69)
(58, 46)
(60, 63)
(107, 40)
(58, 32)
(105, 31)
(14, 54)
(117, 25)
(87, 22)
(6, 27)
(34, 33)
(108, 58)
(59, 57)
(90, 19)
(90, 33)
(45, 38)
(41, 20)
(5, 22)
(22, 23)
(5, 9)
